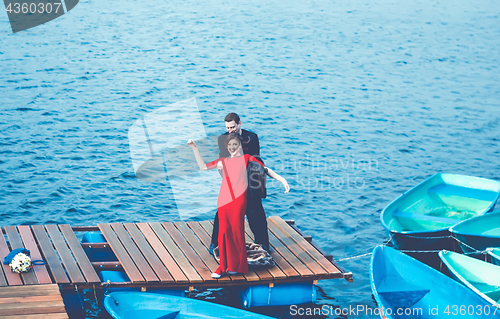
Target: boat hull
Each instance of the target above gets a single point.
(480, 276)
(424, 241)
(403, 287)
(420, 218)
(478, 233)
(494, 254)
(134, 305)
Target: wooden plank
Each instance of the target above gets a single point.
(313, 252)
(50, 255)
(62, 315)
(269, 273)
(207, 225)
(94, 245)
(15, 241)
(134, 252)
(79, 254)
(31, 299)
(116, 246)
(199, 248)
(53, 287)
(41, 272)
(282, 263)
(23, 294)
(30, 302)
(282, 267)
(162, 253)
(191, 255)
(200, 233)
(3, 280)
(12, 278)
(288, 256)
(297, 250)
(176, 253)
(26, 291)
(310, 240)
(64, 253)
(30, 305)
(148, 253)
(30, 308)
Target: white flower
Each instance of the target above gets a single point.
(20, 263)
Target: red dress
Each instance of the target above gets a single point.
(231, 205)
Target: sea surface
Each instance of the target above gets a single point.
(354, 103)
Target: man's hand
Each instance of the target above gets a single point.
(287, 187)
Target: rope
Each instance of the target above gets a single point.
(95, 296)
(353, 257)
(108, 285)
(473, 250)
(427, 237)
(364, 255)
(79, 297)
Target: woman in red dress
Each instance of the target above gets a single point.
(231, 204)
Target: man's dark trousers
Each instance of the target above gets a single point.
(256, 219)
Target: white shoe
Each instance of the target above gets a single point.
(215, 275)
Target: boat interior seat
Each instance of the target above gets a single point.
(172, 315)
(454, 190)
(490, 290)
(444, 220)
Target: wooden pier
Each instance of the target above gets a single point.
(67, 263)
(169, 255)
(32, 302)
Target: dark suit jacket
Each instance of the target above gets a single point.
(250, 144)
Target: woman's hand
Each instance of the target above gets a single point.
(287, 187)
(192, 144)
(199, 160)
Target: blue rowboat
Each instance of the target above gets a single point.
(135, 305)
(480, 276)
(479, 232)
(406, 288)
(418, 218)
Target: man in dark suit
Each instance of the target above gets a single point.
(254, 210)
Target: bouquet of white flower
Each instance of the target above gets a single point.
(20, 263)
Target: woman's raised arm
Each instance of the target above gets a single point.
(279, 178)
(197, 155)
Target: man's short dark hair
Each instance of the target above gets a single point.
(232, 117)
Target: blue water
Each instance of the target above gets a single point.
(354, 103)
